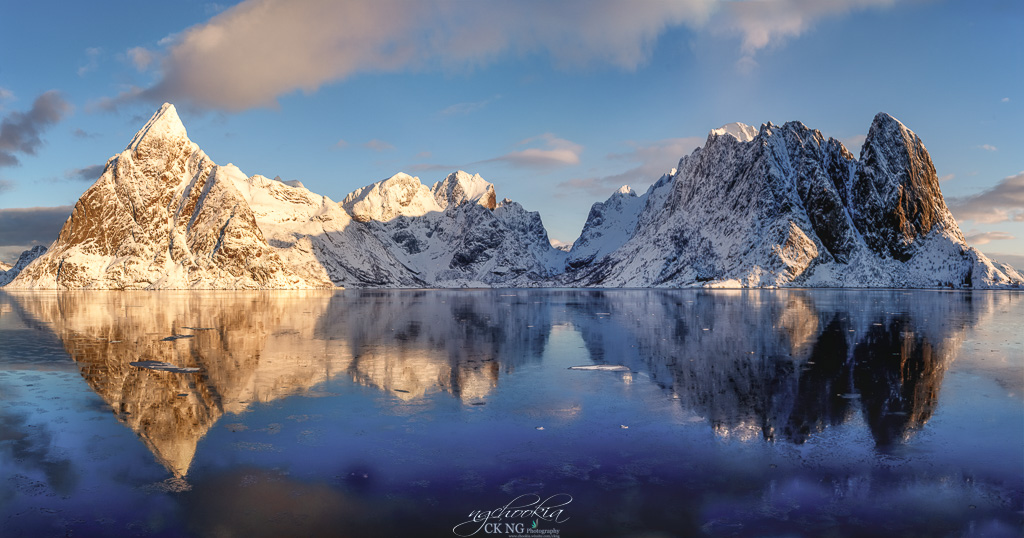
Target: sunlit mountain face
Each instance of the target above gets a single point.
(752, 365)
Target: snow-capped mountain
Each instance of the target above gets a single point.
(8, 272)
(162, 215)
(786, 207)
(454, 234)
(775, 206)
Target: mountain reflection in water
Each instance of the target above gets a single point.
(773, 365)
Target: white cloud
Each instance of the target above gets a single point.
(553, 153)
(1002, 203)
(258, 50)
(763, 23)
(1005, 100)
(984, 238)
(988, 147)
(6, 94)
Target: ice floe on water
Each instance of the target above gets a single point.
(601, 367)
(161, 366)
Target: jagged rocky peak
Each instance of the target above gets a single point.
(164, 123)
(737, 130)
(461, 188)
(895, 194)
(161, 143)
(399, 195)
(162, 216)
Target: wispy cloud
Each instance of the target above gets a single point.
(378, 145)
(258, 50)
(988, 147)
(88, 173)
(553, 152)
(1005, 100)
(461, 109)
(984, 238)
(1002, 203)
(252, 53)
(764, 23)
(141, 58)
(433, 167)
(947, 177)
(81, 133)
(92, 55)
(5, 95)
(20, 131)
(653, 160)
(6, 185)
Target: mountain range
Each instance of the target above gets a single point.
(774, 206)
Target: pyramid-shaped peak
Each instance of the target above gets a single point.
(884, 125)
(164, 124)
(461, 187)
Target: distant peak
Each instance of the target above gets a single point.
(624, 190)
(164, 123)
(461, 187)
(737, 130)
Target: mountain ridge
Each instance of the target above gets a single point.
(767, 207)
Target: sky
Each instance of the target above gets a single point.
(558, 103)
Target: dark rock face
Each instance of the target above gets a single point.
(768, 207)
(788, 207)
(896, 191)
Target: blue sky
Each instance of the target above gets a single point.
(556, 103)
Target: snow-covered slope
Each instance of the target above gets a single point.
(786, 207)
(162, 215)
(775, 206)
(460, 237)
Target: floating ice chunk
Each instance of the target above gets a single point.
(601, 367)
(173, 337)
(161, 366)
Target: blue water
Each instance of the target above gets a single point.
(456, 413)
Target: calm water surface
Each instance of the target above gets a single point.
(456, 413)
